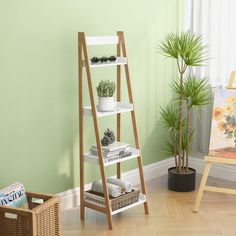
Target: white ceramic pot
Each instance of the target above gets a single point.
(106, 103)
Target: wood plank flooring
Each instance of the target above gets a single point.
(170, 215)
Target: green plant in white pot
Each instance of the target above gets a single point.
(105, 91)
(190, 92)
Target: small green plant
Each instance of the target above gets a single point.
(106, 88)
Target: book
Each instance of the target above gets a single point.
(14, 196)
(113, 158)
(110, 159)
(108, 154)
(125, 154)
(112, 147)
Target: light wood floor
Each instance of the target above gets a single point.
(170, 215)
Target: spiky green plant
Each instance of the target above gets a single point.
(196, 92)
(187, 48)
(189, 51)
(106, 88)
(170, 117)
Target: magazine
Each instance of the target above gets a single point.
(14, 196)
(113, 158)
(108, 154)
(116, 146)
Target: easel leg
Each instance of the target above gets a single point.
(202, 186)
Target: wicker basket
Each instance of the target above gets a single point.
(116, 203)
(40, 220)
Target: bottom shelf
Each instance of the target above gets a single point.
(141, 200)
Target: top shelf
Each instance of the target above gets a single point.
(118, 61)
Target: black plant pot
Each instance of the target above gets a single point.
(181, 181)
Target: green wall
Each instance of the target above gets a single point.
(38, 92)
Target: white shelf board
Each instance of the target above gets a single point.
(92, 159)
(142, 199)
(119, 61)
(119, 107)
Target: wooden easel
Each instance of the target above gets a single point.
(210, 159)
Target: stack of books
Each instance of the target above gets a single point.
(112, 152)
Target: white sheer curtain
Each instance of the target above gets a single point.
(215, 21)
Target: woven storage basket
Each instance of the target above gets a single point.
(40, 220)
(116, 203)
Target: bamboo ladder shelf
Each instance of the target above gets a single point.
(84, 62)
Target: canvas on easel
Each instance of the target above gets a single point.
(223, 128)
(223, 136)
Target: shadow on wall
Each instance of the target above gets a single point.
(154, 142)
(37, 128)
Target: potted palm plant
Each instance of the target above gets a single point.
(190, 91)
(105, 91)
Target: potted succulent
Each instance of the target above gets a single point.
(190, 92)
(105, 91)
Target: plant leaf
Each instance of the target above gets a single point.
(186, 46)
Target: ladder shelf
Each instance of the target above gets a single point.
(120, 107)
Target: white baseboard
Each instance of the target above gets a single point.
(71, 198)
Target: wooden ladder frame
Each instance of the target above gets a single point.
(210, 159)
(83, 60)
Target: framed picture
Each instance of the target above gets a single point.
(223, 129)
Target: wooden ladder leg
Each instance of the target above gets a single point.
(106, 195)
(104, 182)
(202, 186)
(98, 142)
(143, 186)
(109, 220)
(135, 130)
(81, 126)
(118, 82)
